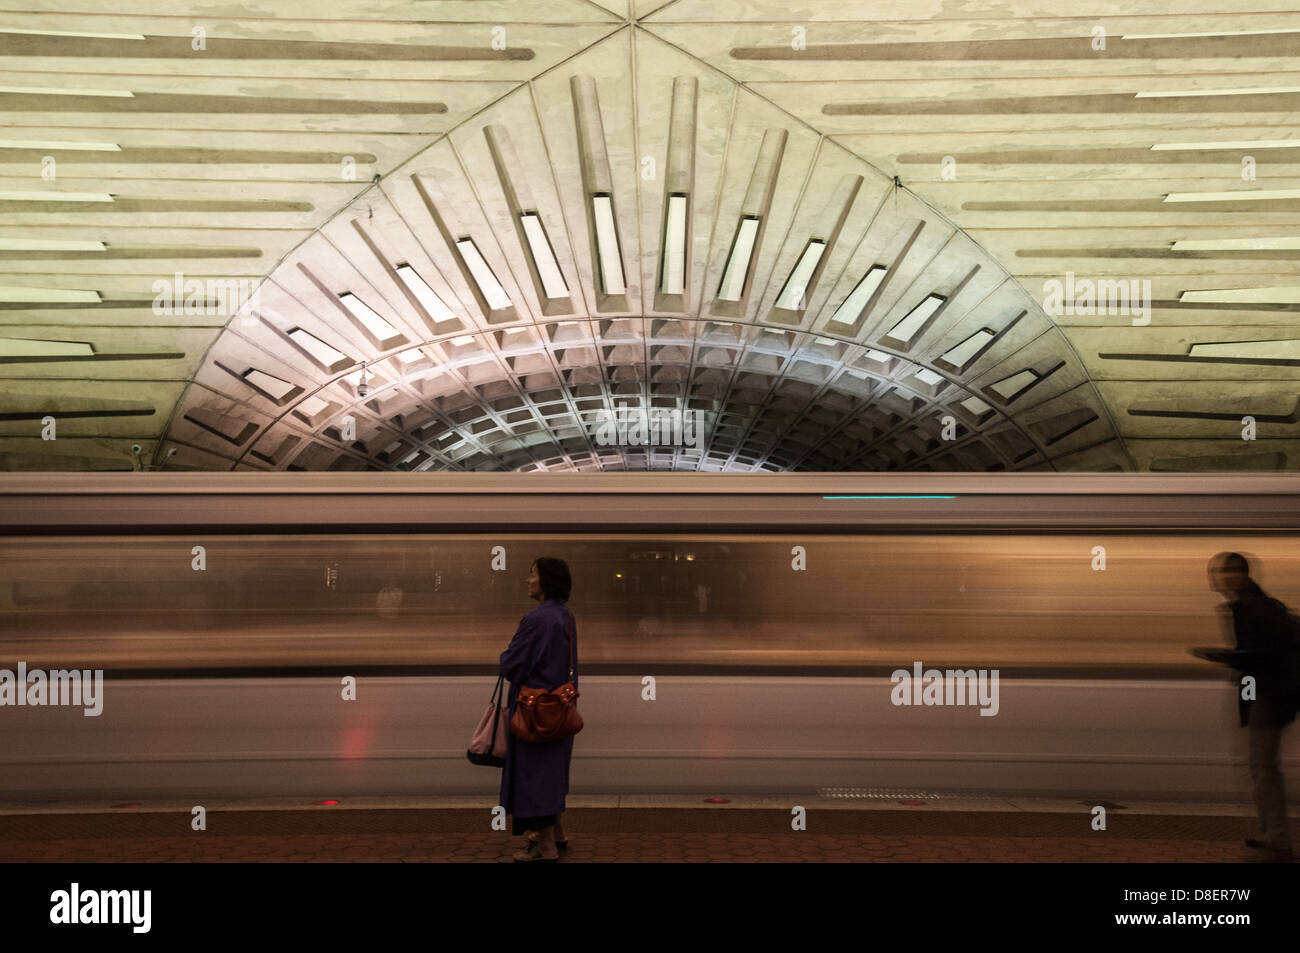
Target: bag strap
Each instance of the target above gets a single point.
(573, 637)
(498, 696)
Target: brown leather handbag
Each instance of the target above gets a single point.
(542, 715)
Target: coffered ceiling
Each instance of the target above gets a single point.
(834, 236)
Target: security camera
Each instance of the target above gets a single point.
(136, 448)
(363, 390)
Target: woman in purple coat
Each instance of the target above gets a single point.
(536, 776)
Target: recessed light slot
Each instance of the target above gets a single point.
(433, 305)
(1229, 145)
(907, 329)
(280, 391)
(31, 347)
(539, 245)
(923, 317)
(738, 272)
(1256, 195)
(483, 285)
(16, 294)
(607, 246)
(1009, 388)
(796, 293)
(329, 358)
(961, 356)
(50, 244)
(598, 187)
(370, 319)
(543, 266)
(855, 305)
(47, 144)
(26, 195)
(673, 291)
(673, 268)
(1274, 295)
(483, 276)
(793, 296)
(738, 261)
(976, 406)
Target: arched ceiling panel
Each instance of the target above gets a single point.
(580, 213)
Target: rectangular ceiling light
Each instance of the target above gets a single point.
(1009, 387)
(927, 376)
(1242, 91)
(310, 406)
(496, 296)
(851, 309)
(28, 347)
(272, 385)
(737, 270)
(427, 297)
(376, 325)
(960, 355)
(1283, 295)
(976, 406)
(48, 244)
(791, 297)
(673, 279)
(91, 36)
(327, 355)
(59, 144)
(1231, 146)
(1184, 36)
(879, 357)
(13, 195)
(1262, 195)
(14, 294)
(907, 329)
(1286, 349)
(544, 256)
(611, 262)
(462, 340)
(56, 91)
(1238, 244)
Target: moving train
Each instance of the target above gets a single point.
(225, 609)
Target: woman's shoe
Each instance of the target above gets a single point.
(533, 854)
(561, 844)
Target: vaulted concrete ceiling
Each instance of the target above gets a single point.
(515, 276)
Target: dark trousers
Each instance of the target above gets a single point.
(1266, 773)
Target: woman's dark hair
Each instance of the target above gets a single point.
(554, 577)
(1233, 562)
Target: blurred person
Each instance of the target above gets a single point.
(1265, 650)
(535, 779)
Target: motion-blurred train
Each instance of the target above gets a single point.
(770, 612)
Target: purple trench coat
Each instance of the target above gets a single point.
(536, 776)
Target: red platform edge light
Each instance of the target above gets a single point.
(324, 802)
(717, 800)
(912, 803)
(132, 804)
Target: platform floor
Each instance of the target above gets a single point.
(635, 829)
